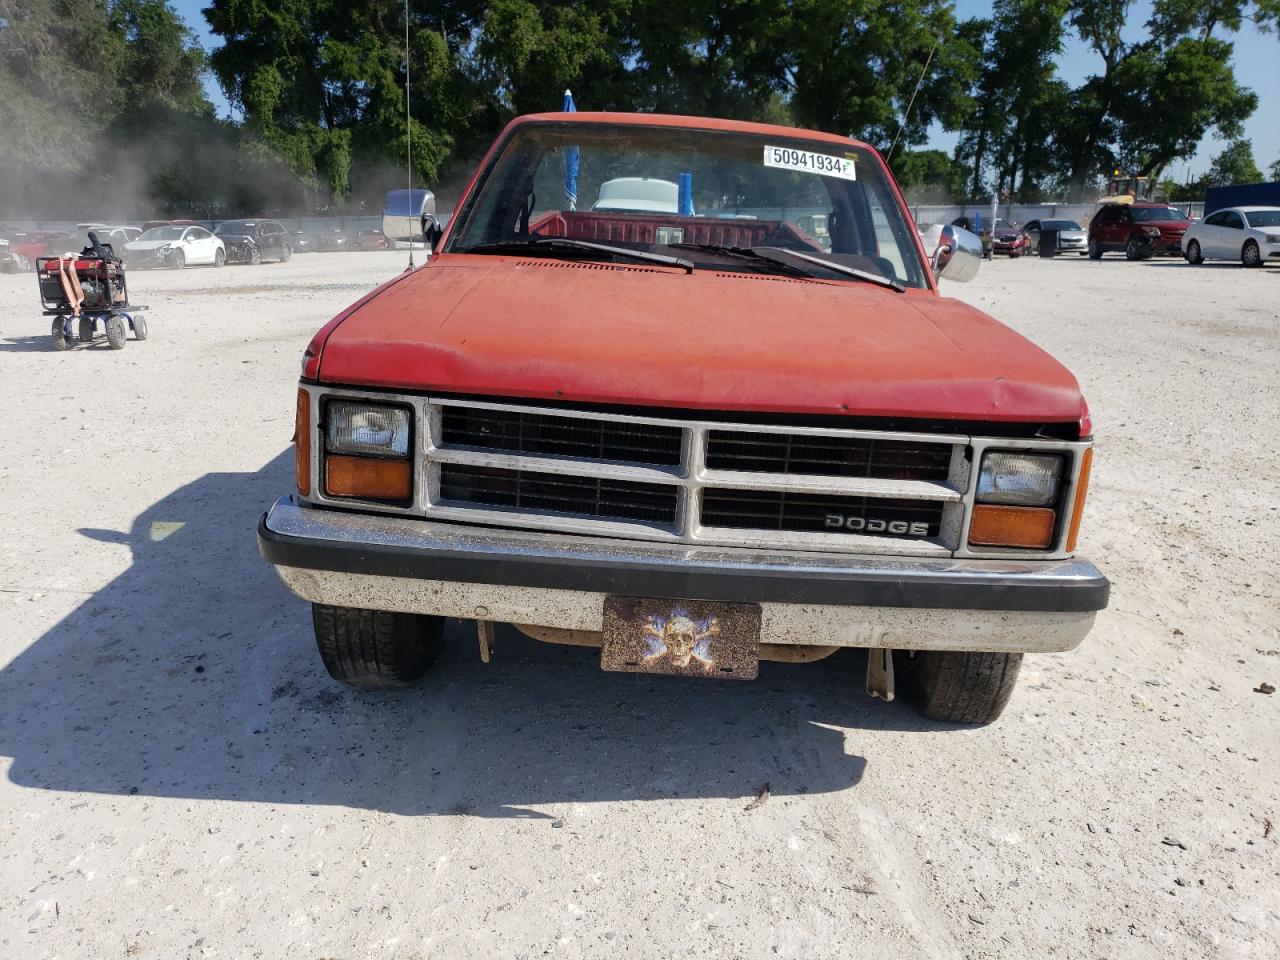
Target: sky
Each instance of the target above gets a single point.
(1256, 56)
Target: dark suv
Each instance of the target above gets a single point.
(1141, 230)
(252, 241)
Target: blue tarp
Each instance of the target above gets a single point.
(570, 160)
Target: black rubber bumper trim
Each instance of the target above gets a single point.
(688, 579)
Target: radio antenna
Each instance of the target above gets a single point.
(910, 103)
(408, 134)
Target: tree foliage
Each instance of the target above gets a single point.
(318, 88)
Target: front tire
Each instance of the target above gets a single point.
(59, 332)
(1095, 249)
(376, 649)
(1194, 254)
(219, 258)
(286, 254)
(176, 260)
(961, 687)
(116, 332)
(139, 328)
(86, 330)
(1251, 256)
(1136, 250)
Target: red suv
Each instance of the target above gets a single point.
(1141, 230)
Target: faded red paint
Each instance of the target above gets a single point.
(595, 333)
(581, 332)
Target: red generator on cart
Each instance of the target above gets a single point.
(84, 291)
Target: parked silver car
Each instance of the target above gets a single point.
(1072, 238)
(1248, 234)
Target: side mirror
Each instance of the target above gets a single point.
(432, 231)
(958, 254)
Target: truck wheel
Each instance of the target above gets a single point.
(139, 328)
(1251, 256)
(116, 332)
(59, 331)
(965, 687)
(86, 330)
(1095, 249)
(375, 649)
(1194, 256)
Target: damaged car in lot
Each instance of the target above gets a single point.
(693, 438)
(253, 241)
(175, 247)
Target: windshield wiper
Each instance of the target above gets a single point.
(567, 244)
(743, 253)
(867, 275)
(758, 255)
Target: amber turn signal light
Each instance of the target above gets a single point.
(1082, 488)
(1029, 528)
(302, 444)
(368, 478)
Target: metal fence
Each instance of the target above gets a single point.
(926, 214)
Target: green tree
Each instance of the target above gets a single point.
(1234, 165)
(1155, 99)
(1274, 171)
(100, 103)
(929, 176)
(1019, 99)
(853, 66)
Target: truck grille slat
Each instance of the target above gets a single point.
(521, 432)
(779, 510)
(583, 496)
(827, 456)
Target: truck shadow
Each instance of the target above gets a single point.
(193, 675)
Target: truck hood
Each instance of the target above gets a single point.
(580, 332)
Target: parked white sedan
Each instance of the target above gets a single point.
(1248, 234)
(175, 247)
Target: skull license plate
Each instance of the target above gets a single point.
(688, 638)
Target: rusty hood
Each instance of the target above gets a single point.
(612, 334)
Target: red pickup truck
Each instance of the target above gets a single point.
(634, 403)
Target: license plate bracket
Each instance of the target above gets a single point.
(685, 638)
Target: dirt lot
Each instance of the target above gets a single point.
(182, 780)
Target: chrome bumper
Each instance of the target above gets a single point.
(559, 580)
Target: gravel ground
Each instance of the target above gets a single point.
(183, 780)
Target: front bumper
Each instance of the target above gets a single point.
(559, 580)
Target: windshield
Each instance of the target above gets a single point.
(663, 190)
(1263, 218)
(163, 233)
(1061, 225)
(234, 228)
(1157, 213)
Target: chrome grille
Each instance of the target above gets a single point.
(686, 478)
(700, 482)
(832, 456)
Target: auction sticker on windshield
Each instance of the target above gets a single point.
(788, 158)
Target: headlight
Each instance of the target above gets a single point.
(1273, 238)
(1020, 479)
(367, 429)
(367, 452)
(1151, 231)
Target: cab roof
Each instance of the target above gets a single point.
(687, 123)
